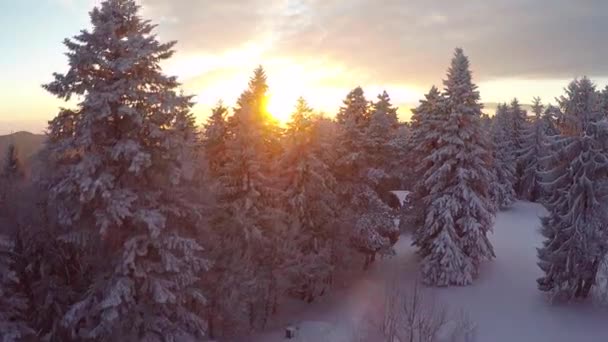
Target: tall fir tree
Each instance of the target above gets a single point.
(533, 149)
(503, 187)
(458, 211)
(424, 138)
(312, 202)
(519, 126)
(122, 190)
(575, 231)
(552, 119)
(356, 108)
(215, 134)
(373, 229)
(384, 107)
(380, 137)
(253, 222)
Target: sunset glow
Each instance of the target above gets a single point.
(306, 47)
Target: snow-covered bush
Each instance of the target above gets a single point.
(408, 314)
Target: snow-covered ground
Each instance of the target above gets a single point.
(402, 195)
(504, 302)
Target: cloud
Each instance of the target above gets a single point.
(394, 40)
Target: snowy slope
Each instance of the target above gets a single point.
(504, 301)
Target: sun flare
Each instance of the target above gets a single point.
(281, 107)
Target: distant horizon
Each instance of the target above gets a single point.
(39, 127)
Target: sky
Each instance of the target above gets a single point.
(320, 49)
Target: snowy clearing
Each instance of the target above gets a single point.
(504, 302)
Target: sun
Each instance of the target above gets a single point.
(281, 105)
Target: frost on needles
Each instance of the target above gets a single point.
(123, 188)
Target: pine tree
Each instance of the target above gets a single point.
(215, 135)
(356, 108)
(533, 150)
(254, 220)
(380, 134)
(14, 325)
(576, 229)
(385, 107)
(458, 209)
(519, 126)
(486, 122)
(503, 187)
(12, 170)
(425, 133)
(311, 199)
(551, 120)
(373, 228)
(123, 186)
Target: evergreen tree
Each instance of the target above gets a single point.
(518, 126)
(122, 184)
(533, 150)
(373, 228)
(551, 120)
(458, 209)
(486, 122)
(215, 135)
(380, 139)
(385, 110)
(311, 200)
(253, 221)
(425, 134)
(503, 187)
(12, 170)
(575, 230)
(356, 108)
(14, 325)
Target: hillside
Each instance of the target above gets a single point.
(27, 144)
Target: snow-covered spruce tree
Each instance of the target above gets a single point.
(458, 211)
(384, 108)
(311, 201)
(551, 120)
(518, 126)
(424, 136)
(380, 134)
(14, 325)
(214, 138)
(371, 220)
(121, 192)
(533, 149)
(503, 186)
(576, 176)
(355, 108)
(327, 134)
(250, 194)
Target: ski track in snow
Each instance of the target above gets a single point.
(504, 301)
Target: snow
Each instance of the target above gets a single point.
(402, 195)
(503, 302)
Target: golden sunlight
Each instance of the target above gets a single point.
(281, 106)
